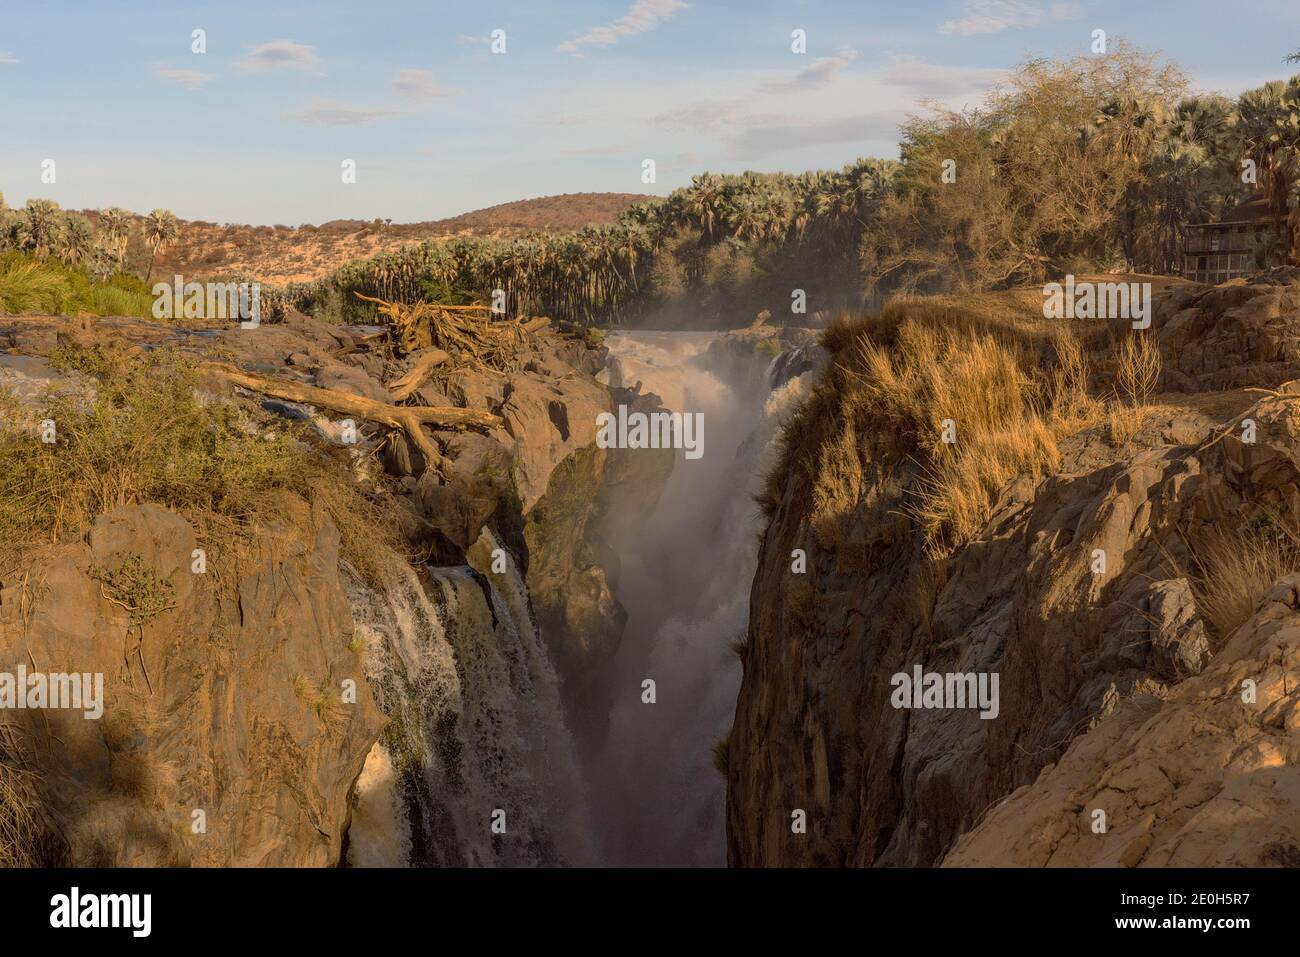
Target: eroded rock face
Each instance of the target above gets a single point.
(1088, 655)
(227, 700)
(1231, 336)
(547, 420)
(1200, 777)
(1179, 645)
(573, 571)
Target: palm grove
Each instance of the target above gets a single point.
(1091, 164)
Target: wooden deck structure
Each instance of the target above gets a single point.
(1216, 252)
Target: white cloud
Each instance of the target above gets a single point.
(938, 80)
(643, 16)
(333, 113)
(994, 16)
(279, 55)
(8, 58)
(599, 151)
(701, 116)
(816, 74)
(778, 134)
(419, 85)
(190, 79)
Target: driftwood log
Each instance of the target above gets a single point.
(409, 418)
(402, 387)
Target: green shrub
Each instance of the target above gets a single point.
(46, 285)
(147, 434)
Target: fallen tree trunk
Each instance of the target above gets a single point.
(408, 418)
(402, 387)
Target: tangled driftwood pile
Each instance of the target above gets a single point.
(428, 336)
(432, 336)
(465, 333)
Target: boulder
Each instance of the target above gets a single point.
(1206, 776)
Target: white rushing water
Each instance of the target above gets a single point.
(686, 573)
(476, 726)
(455, 661)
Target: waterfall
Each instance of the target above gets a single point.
(686, 574)
(455, 661)
(476, 727)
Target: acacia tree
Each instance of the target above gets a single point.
(935, 234)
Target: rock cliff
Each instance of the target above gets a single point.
(239, 700)
(1094, 590)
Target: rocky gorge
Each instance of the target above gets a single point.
(434, 651)
(407, 659)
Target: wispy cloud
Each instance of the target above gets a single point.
(994, 16)
(333, 113)
(596, 151)
(938, 80)
(768, 135)
(279, 55)
(643, 16)
(8, 58)
(190, 79)
(702, 115)
(420, 85)
(815, 75)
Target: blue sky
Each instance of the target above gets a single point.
(254, 130)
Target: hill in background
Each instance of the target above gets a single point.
(284, 254)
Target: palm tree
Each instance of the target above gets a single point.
(160, 231)
(40, 227)
(116, 224)
(1268, 130)
(76, 241)
(704, 199)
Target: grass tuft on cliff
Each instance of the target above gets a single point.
(143, 431)
(721, 752)
(24, 838)
(1001, 381)
(1234, 568)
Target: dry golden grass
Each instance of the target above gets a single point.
(1123, 422)
(1138, 368)
(1011, 383)
(22, 835)
(319, 698)
(957, 494)
(1234, 570)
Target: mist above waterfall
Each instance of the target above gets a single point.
(685, 578)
